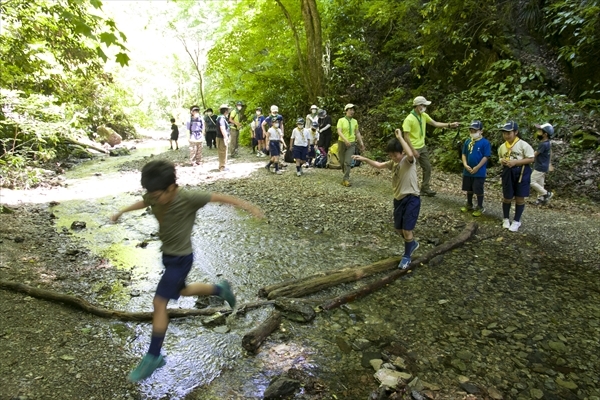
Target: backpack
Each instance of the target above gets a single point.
(321, 160)
(288, 156)
(333, 161)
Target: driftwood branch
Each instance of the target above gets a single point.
(90, 146)
(314, 283)
(453, 243)
(85, 305)
(253, 339)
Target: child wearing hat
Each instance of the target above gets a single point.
(475, 154)
(313, 134)
(196, 128)
(275, 140)
(541, 165)
(516, 155)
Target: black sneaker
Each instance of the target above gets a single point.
(547, 197)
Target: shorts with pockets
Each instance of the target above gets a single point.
(406, 212)
(172, 282)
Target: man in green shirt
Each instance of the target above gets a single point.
(415, 128)
(235, 122)
(347, 129)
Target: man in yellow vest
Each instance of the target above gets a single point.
(347, 129)
(235, 122)
(415, 127)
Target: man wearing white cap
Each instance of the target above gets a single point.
(312, 117)
(347, 129)
(415, 127)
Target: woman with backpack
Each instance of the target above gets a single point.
(210, 123)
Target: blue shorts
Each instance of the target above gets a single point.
(259, 135)
(406, 212)
(516, 181)
(473, 184)
(172, 282)
(274, 148)
(300, 152)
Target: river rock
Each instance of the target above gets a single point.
(399, 363)
(121, 151)
(464, 355)
(470, 388)
(296, 311)
(343, 344)
(559, 347)
(367, 356)
(416, 384)
(536, 393)
(281, 387)
(390, 378)
(495, 393)
(214, 320)
(459, 365)
(78, 225)
(376, 364)
(566, 384)
(361, 344)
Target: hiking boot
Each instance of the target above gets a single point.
(547, 197)
(514, 227)
(405, 262)
(478, 211)
(346, 183)
(226, 293)
(428, 192)
(506, 223)
(146, 367)
(298, 173)
(467, 208)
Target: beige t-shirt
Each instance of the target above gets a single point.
(404, 178)
(176, 220)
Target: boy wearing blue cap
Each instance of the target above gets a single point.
(516, 155)
(541, 164)
(475, 154)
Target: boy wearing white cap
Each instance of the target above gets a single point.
(347, 129)
(415, 127)
(541, 165)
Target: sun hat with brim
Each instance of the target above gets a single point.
(274, 108)
(348, 106)
(549, 129)
(322, 113)
(420, 101)
(477, 125)
(510, 126)
(314, 107)
(224, 106)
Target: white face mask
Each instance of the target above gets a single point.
(239, 107)
(314, 111)
(258, 113)
(276, 125)
(423, 109)
(475, 135)
(209, 113)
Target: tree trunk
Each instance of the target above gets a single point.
(314, 47)
(303, 70)
(253, 339)
(196, 61)
(89, 146)
(465, 235)
(325, 280)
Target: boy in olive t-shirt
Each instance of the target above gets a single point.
(175, 209)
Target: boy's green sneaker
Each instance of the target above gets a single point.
(226, 293)
(467, 208)
(478, 211)
(146, 367)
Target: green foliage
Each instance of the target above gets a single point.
(30, 129)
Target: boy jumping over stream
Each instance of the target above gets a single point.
(407, 202)
(175, 209)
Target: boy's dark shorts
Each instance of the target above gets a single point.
(515, 184)
(259, 135)
(274, 148)
(406, 212)
(174, 136)
(300, 152)
(172, 282)
(472, 184)
(311, 151)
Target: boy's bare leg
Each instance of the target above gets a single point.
(222, 289)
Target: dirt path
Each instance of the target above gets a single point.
(49, 349)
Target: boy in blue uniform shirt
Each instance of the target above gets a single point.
(541, 165)
(407, 203)
(175, 209)
(475, 154)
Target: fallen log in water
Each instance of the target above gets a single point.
(85, 305)
(453, 243)
(314, 283)
(253, 339)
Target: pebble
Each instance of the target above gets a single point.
(566, 384)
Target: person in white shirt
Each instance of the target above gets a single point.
(312, 117)
(275, 139)
(299, 142)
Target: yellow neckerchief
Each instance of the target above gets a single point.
(472, 143)
(509, 147)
